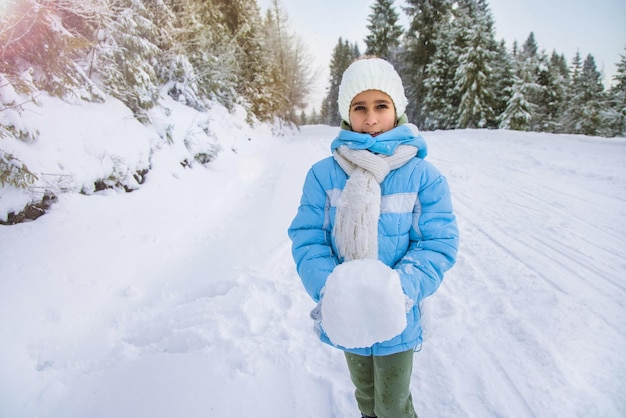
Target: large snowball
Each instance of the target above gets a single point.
(363, 304)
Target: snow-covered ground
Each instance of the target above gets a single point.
(181, 299)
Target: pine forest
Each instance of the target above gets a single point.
(456, 73)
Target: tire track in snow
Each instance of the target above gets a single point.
(564, 331)
(469, 300)
(465, 214)
(564, 260)
(570, 256)
(582, 269)
(498, 331)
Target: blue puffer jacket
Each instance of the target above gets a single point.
(417, 230)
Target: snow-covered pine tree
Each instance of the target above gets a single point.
(586, 106)
(571, 113)
(127, 55)
(384, 35)
(476, 56)
(546, 85)
(520, 107)
(426, 18)
(530, 48)
(552, 79)
(243, 21)
(48, 39)
(518, 112)
(503, 80)
(200, 63)
(558, 63)
(13, 172)
(617, 113)
(344, 54)
(175, 70)
(595, 99)
(439, 101)
(521, 111)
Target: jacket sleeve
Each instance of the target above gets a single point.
(311, 241)
(434, 239)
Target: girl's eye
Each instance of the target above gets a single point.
(357, 108)
(382, 106)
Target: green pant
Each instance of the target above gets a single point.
(382, 384)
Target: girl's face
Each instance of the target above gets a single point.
(372, 112)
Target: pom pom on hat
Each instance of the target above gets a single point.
(370, 74)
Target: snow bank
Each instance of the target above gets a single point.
(83, 147)
(80, 144)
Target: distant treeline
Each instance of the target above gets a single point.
(457, 75)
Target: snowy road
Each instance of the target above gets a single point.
(181, 299)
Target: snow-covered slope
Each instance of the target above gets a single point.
(181, 298)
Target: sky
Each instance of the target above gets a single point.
(595, 28)
(181, 299)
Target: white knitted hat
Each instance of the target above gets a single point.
(370, 74)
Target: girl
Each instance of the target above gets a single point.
(375, 199)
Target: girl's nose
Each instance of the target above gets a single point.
(370, 118)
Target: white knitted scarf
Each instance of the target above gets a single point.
(358, 207)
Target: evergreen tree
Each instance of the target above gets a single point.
(503, 81)
(527, 89)
(426, 17)
(558, 63)
(440, 103)
(476, 53)
(586, 105)
(50, 38)
(546, 80)
(518, 112)
(202, 62)
(325, 117)
(14, 172)
(594, 99)
(515, 51)
(254, 76)
(617, 113)
(174, 68)
(127, 54)
(343, 55)
(530, 49)
(552, 79)
(385, 32)
(571, 113)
